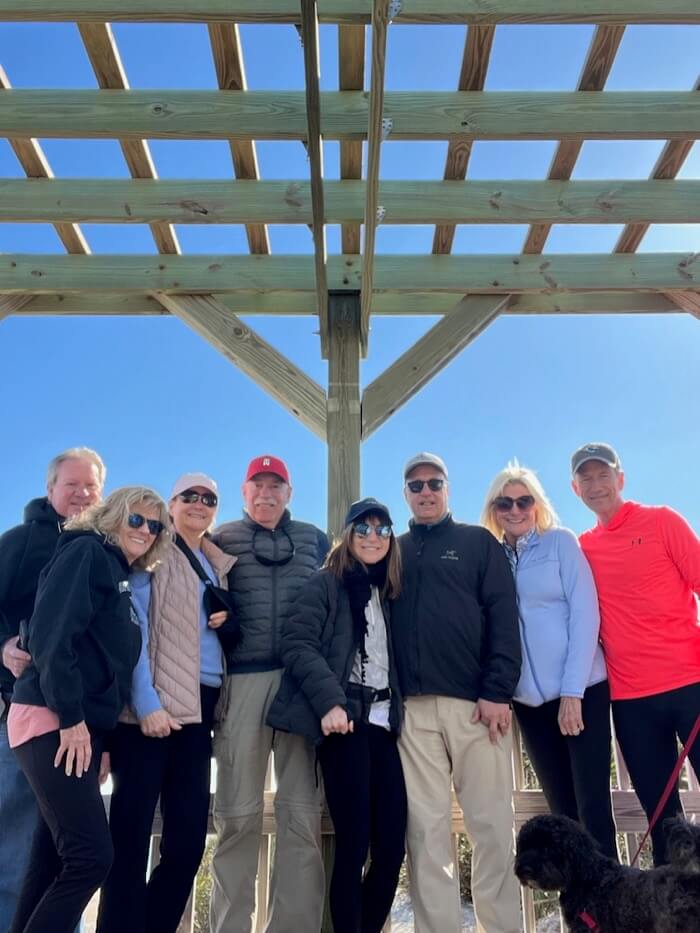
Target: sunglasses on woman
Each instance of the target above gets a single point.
(206, 498)
(506, 503)
(434, 484)
(134, 520)
(365, 529)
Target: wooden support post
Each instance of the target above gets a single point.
(343, 418)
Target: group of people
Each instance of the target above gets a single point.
(139, 639)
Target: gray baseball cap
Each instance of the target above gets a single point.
(425, 459)
(595, 451)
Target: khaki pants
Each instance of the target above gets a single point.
(439, 746)
(242, 745)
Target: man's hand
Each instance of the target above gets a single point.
(159, 725)
(14, 659)
(336, 720)
(217, 619)
(570, 716)
(76, 746)
(105, 767)
(495, 716)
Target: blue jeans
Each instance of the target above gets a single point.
(18, 820)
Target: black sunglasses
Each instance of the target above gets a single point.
(274, 561)
(365, 529)
(206, 498)
(506, 503)
(134, 520)
(434, 485)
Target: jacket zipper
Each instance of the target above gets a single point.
(274, 596)
(419, 575)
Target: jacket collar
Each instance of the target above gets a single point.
(420, 529)
(220, 561)
(286, 518)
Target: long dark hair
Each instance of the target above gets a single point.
(340, 560)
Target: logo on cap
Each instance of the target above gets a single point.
(266, 461)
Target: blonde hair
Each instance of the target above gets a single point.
(109, 517)
(340, 559)
(76, 453)
(545, 516)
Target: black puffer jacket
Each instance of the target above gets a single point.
(24, 552)
(83, 638)
(318, 648)
(455, 623)
(263, 593)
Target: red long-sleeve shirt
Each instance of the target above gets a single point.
(646, 565)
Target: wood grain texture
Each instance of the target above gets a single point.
(11, 304)
(351, 77)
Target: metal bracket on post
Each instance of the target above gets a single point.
(381, 213)
(387, 127)
(395, 7)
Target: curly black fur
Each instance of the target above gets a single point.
(683, 844)
(555, 853)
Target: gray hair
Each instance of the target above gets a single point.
(76, 453)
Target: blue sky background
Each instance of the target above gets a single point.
(156, 400)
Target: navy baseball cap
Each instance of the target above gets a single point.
(366, 507)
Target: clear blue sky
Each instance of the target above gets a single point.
(156, 400)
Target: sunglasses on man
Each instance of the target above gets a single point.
(206, 498)
(434, 484)
(506, 503)
(134, 520)
(365, 529)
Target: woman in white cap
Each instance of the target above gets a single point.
(341, 692)
(162, 747)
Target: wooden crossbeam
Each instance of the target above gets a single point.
(354, 12)
(281, 303)
(197, 201)
(599, 60)
(488, 274)
(472, 77)
(351, 76)
(177, 114)
(428, 356)
(269, 368)
(375, 132)
(103, 53)
(312, 75)
(34, 163)
(230, 73)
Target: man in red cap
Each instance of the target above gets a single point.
(275, 554)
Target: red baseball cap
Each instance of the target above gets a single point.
(267, 464)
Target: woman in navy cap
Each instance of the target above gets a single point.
(341, 692)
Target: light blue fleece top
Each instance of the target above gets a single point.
(144, 697)
(559, 619)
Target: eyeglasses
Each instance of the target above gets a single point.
(506, 503)
(134, 520)
(434, 484)
(365, 529)
(274, 561)
(206, 498)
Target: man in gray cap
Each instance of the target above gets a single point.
(646, 565)
(457, 649)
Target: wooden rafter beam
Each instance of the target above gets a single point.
(176, 114)
(375, 132)
(354, 12)
(417, 366)
(272, 371)
(686, 301)
(280, 303)
(599, 60)
(351, 77)
(472, 77)
(230, 73)
(11, 304)
(312, 75)
(199, 201)
(34, 163)
(488, 274)
(103, 53)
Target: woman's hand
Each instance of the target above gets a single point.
(75, 745)
(570, 716)
(105, 767)
(336, 720)
(217, 619)
(159, 724)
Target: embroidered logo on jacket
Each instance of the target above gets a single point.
(449, 555)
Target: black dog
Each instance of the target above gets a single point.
(554, 853)
(683, 844)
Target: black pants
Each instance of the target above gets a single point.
(71, 850)
(177, 770)
(366, 798)
(648, 730)
(574, 770)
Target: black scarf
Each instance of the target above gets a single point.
(358, 582)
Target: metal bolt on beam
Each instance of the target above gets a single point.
(381, 213)
(395, 7)
(387, 126)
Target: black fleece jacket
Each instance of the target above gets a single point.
(83, 638)
(455, 624)
(24, 552)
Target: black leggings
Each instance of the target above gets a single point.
(648, 730)
(177, 770)
(71, 850)
(366, 798)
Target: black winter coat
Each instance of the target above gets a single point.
(83, 638)
(318, 647)
(455, 624)
(24, 552)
